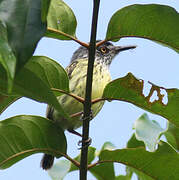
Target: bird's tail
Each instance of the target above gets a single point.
(47, 161)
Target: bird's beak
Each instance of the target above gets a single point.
(123, 48)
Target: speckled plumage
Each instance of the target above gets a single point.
(77, 72)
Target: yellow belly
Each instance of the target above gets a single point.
(101, 77)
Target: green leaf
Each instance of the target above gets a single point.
(133, 142)
(140, 175)
(107, 145)
(34, 83)
(161, 164)
(104, 171)
(61, 21)
(6, 101)
(91, 156)
(172, 135)
(63, 167)
(130, 89)
(121, 177)
(50, 72)
(22, 136)
(148, 131)
(7, 58)
(156, 22)
(45, 8)
(24, 26)
(59, 170)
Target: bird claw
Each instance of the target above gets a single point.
(87, 143)
(90, 117)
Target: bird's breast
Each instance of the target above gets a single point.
(101, 77)
(78, 74)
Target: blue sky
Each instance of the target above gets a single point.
(149, 61)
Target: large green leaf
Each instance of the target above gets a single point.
(134, 143)
(172, 135)
(50, 72)
(24, 26)
(45, 8)
(153, 21)
(36, 79)
(22, 136)
(61, 21)
(7, 58)
(161, 164)
(130, 89)
(104, 171)
(148, 131)
(63, 167)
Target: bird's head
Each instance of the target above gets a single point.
(105, 53)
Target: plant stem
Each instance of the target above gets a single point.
(55, 31)
(78, 98)
(87, 103)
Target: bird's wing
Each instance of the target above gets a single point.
(69, 69)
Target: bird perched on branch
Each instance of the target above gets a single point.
(77, 72)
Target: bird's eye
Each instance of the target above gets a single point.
(103, 50)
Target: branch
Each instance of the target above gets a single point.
(76, 163)
(98, 100)
(78, 98)
(55, 31)
(98, 162)
(87, 103)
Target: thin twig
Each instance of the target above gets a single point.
(55, 31)
(99, 162)
(100, 43)
(76, 163)
(94, 101)
(78, 98)
(76, 114)
(87, 103)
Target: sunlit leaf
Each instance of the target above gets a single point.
(22, 136)
(130, 89)
(59, 170)
(148, 131)
(156, 22)
(108, 145)
(161, 164)
(61, 21)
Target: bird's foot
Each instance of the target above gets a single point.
(86, 143)
(90, 117)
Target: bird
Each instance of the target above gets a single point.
(77, 73)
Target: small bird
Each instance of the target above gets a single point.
(77, 72)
